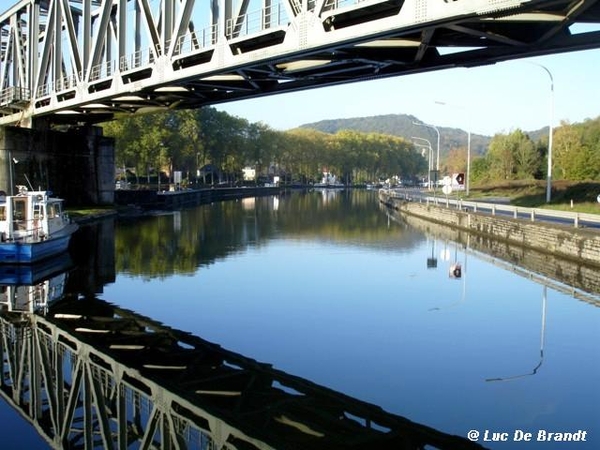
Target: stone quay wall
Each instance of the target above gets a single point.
(578, 244)
(577, 278)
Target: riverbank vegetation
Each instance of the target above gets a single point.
(515, 156)
(209, 147)
(212, 147)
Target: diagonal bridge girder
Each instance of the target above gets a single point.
(83, 61)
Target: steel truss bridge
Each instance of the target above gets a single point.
(83, 61)
(90, 375)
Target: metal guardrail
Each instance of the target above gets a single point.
(14, 96)
(517, 212)
(257, 21)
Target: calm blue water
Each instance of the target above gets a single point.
(329, 288)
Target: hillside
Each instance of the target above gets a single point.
(402, 125)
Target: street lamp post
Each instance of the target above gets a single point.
(467, 175)
(549, 175)
(429, 166)
(437, 164)
(429, 152)
(467, 182)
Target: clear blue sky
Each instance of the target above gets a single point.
(485, 100)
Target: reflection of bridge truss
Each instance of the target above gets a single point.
(92, 375)
(89, 59)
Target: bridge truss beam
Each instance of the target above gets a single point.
(83, 61)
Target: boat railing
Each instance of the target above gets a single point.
(23, 228)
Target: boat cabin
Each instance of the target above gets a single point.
(29, 215)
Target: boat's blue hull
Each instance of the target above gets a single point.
(25, 253)
(31, 274)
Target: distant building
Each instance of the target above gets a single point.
(249, 173)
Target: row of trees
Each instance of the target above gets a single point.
(515, 156)
(189, 140)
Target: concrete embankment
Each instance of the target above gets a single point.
(575, 278)
(578, 244)
(150, 199)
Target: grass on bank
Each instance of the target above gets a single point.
(565, 195)
(87, 211)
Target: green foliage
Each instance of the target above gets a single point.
(480, 170)
(355, 150)
(512, 157)
(516, 155)
(188, 140)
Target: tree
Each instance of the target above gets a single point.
(480, 170)
(526, 157)
(512, 156)
(456, 161)
(190, 133)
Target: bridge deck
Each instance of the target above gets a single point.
(95, 59)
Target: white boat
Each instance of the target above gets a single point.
(329, 181)
(33, 226)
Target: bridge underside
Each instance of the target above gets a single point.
(87, 74)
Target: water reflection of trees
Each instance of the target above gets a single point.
(182, 241)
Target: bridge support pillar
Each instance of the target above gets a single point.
(77, 165)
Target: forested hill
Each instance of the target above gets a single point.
(393, 124)
(402, 125)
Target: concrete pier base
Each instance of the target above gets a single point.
(77, 164)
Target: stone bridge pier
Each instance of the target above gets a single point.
(76, 164)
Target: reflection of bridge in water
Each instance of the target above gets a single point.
(89, 374)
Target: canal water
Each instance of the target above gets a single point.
(471, 338)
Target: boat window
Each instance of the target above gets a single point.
(19, 209)
(2, 213)
(54, 209)
(38, 211)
